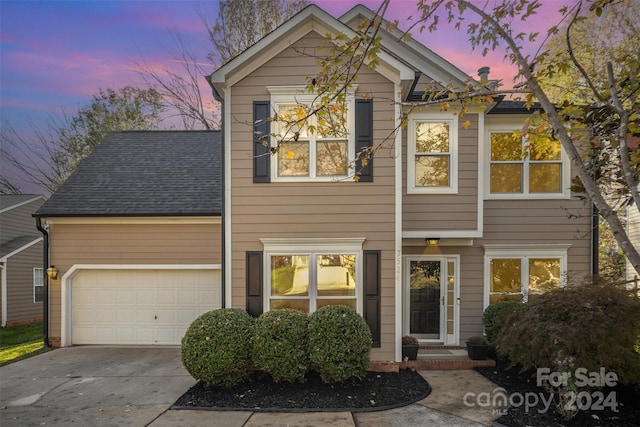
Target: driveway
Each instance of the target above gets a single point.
(89, 386)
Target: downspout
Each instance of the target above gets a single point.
(416, 77)
(45, 282)
(223, 257)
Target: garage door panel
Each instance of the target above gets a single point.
(142, 307)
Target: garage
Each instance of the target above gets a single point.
(139, 306)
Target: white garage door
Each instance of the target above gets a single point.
(142, 307)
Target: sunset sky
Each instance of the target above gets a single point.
(55, 55)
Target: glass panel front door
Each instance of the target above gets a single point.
(425, 288)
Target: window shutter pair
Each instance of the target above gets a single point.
(371, 285)
(261, 140)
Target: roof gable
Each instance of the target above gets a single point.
(12, 201)
(145, 173)
(311, 18)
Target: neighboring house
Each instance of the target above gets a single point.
(426, 238)
(135, 234)
(21, 261)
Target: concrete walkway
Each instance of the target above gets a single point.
(108, 386)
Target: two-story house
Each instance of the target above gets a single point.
(450, 215)
(21, 262)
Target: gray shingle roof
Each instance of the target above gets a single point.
(145, 173)
(15, 244)
(8, 200)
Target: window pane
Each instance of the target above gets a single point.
(432, 171)
(432, 137)
(331, 158)
(38, 294)
(545, 178)
(290, 275)
(336, 275)
(505, 275)
(543, 148)
(332, 121)
(506, 178)
(291, 120)
(544, 274)
(505, 146)
(295, 304)
(293, 159)
(38, 276)
(348, 302)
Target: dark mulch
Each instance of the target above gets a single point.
(377, 391)
(514, 381)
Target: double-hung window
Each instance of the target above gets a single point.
(519, 168)
(312, 141)
(38, 288)
(307, 276)
(432, 155)
(519, 274)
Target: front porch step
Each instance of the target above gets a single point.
(435, 357)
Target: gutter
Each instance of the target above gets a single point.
(595, 241)
(45, 282)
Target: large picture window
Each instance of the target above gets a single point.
(518, 168)
(432, 163)
(308, 276)
(312, 143)
(521, 274)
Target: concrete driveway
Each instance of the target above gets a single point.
(90, 386)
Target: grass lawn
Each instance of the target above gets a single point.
(20, 342)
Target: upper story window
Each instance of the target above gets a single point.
(314, 143)
(520, 169)
(432, 159)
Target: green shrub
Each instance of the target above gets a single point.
(493, 318)
(279, 344)
(339, 343)
(589, 326)
(216, 348)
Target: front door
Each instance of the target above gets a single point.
(431, 298)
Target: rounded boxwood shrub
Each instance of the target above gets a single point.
(279, 344)
(494, 316)
(339, 343)
(216, 348)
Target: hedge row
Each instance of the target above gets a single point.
(334, 341)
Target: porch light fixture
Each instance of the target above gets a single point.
(432, 241)
(52, 272)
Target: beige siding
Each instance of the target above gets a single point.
(314, 209)
(72, 244)
(19, 222)
(447, 211)
(20, 305)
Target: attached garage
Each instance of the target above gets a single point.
(137, 306)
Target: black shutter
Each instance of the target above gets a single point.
(371, 281)
(364, 138)
(261, 131)
(254, 283)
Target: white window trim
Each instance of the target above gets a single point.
(523, 252)
(299, 94)
(322, 246)
(488, 195)
(452, 188)
(41, 285)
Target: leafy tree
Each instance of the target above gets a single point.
(55, 154)
(612, 118)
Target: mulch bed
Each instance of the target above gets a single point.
(377, 391)
(514, 381)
